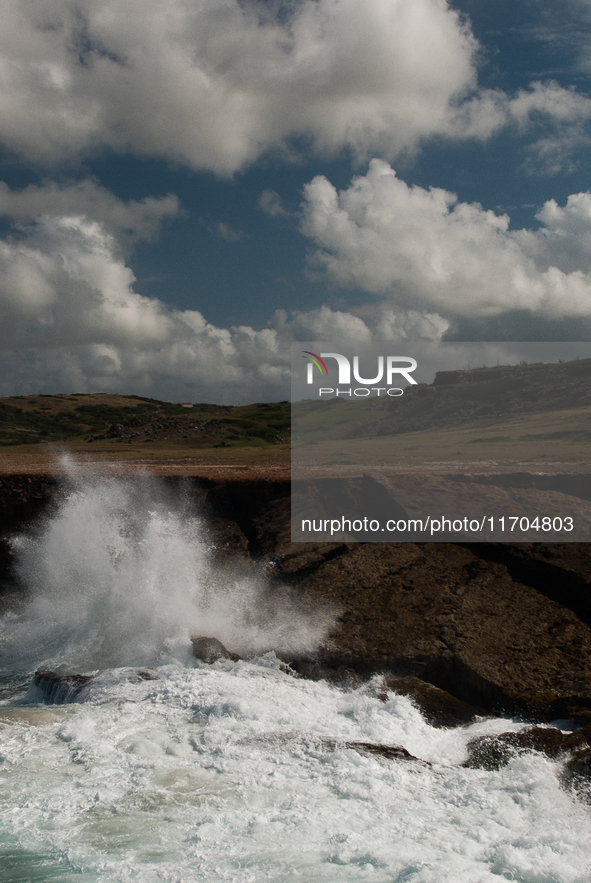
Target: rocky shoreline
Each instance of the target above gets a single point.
(504, 628)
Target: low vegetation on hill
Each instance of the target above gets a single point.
(492, 409)
(97, 417)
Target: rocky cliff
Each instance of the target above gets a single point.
(504, 626)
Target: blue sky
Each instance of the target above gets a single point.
(189, 185)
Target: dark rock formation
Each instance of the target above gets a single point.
(143, 675)
(388, 752)
(449, 617)
(505, 627)
(209, 650)
(494, 752)
(359, 500)
(314, 670)
(577, 774)
(58, 689)
(438, 707)
(22, 498)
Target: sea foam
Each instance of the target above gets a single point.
(236, 772)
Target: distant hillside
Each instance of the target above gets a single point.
(460, 396)
(513, 399)
(100, 417)
(484, 401)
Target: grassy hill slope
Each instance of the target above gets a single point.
(99, 417)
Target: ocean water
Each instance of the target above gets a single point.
(234, 771)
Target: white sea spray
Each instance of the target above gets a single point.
(121, 572)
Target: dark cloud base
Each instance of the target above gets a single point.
(519, 325)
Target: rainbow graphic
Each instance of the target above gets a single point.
(315, 360)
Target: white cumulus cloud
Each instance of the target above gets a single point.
(216, 83)
(127, 220)
(425, 250)
(554, 121)
(72, 320)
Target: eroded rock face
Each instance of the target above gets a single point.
(501, 626)
(440, 613)
(316, 742)
(209, 650)
(577, 774)
(505, 627)
(58, 689)
(22, 498)
(494, 752)
(437, 706)
(389, 752)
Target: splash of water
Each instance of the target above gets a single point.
(122, 573)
